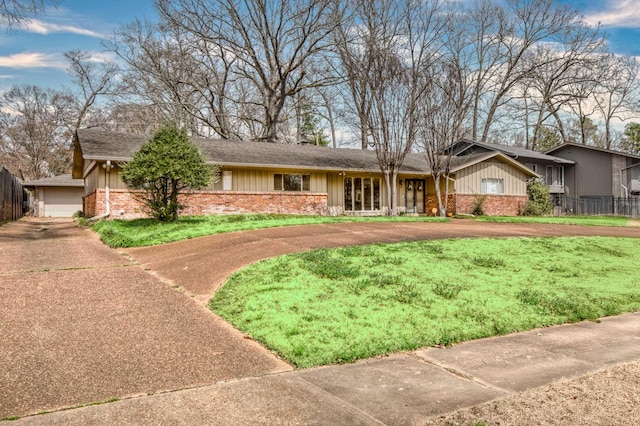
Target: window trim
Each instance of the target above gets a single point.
(487, 186)
(304, 179)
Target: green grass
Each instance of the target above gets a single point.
(149, 232)
(340, 305)
(561, 220)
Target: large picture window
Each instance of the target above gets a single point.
(291, 182)
(361, 194)
(492, 186)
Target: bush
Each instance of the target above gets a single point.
(476, 206)
(165, 167)
(538, 203)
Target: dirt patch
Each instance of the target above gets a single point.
(610, 396)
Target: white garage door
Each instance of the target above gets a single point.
(60, 202)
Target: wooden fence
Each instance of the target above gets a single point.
(12, 196)
(599, 206)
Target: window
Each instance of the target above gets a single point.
(560, 175)
(361, 193)
(549, 175)
(492, 186)
(532, 166)
(291, 182)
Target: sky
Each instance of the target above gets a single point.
(34, 55)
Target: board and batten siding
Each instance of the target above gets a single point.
(261, 180)
(469, 179)
(97, 178)
(335, 189)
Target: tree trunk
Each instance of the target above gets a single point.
(436, 180)
(394, 193)
(387, 182)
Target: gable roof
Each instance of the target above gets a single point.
(471, 159)
(593, 148)
(60, 180)
(99, 145)
(511, 151)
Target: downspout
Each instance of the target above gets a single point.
(626, 190)
(107, 198)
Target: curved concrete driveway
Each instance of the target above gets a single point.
(201, 265)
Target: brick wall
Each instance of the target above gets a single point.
(89, 205)
(432, 203)
(124, 205)
(494, 205)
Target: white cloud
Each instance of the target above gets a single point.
(102, 57)
(32, 60)
(41, 27)
(616, 13)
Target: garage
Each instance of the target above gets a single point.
(57, 196)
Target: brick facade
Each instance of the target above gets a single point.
(124, 205)
(432, 203)
(494, 205)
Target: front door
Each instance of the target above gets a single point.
(414, 195)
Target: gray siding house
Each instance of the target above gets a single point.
(599, 172)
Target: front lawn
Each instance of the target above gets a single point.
(149, 232)
(340, 305)
(560, 220)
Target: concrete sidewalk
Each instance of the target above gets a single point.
(401, 389)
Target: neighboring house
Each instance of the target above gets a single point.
(554, 169)
(298, 179)
(57, 196)
(599, 172)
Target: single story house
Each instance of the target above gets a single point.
(57, 196)
(298, 179)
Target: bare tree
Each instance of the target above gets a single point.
(445, 108)
(164, 68)
(614, 95)
(14, 13)
(33, 133)
(353, 39)
(501, 46)
(400, 42)
(581, 103)
(92, 79)
(556, 70)
(274, 43)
